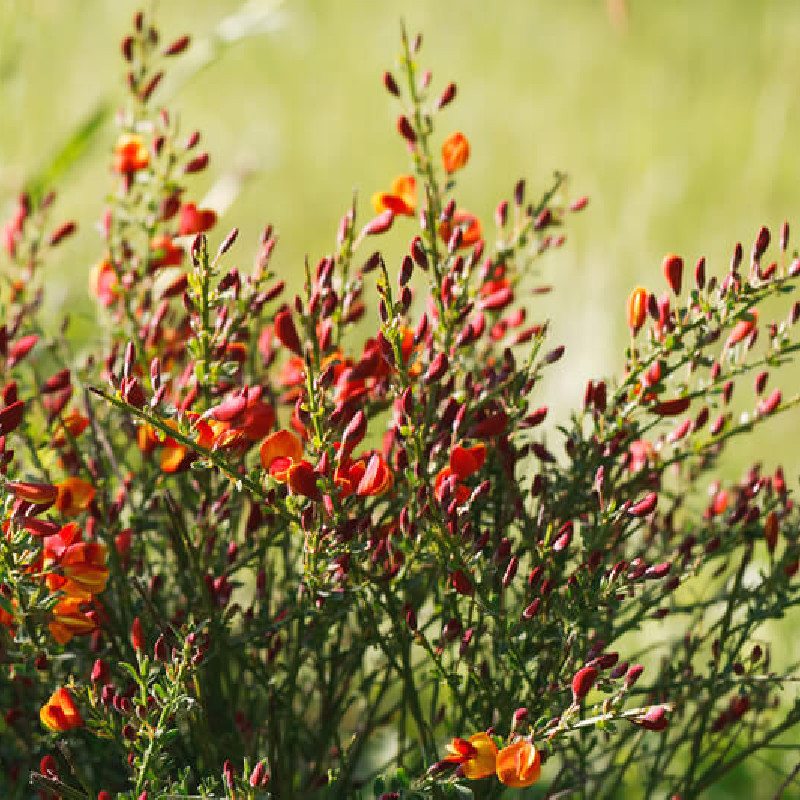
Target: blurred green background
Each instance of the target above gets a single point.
(679, 119)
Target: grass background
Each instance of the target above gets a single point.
(679, 119)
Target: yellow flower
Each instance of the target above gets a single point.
(477, 755)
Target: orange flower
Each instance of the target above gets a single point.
(83, 565)
(74, 496)
(519, 764)
(60, 713)
(470, 228)
(103, 283)
(130, 154)
(72, 425)
(477, 755)
(279, 451)
(455, 152)
(83, 570)
(173, 455)
(402, 199)
(637, 309)
(72, 617)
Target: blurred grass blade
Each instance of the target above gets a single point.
(70, 152)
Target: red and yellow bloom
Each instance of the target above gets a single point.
(519, 764)
(60, 713)
(476, 755)
(74, 496)
(401, 199)
(130, 154)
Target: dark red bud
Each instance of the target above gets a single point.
(406, 271)
(446, 96)
(761, 243)
(59, 234)
(177, 47)
(197, 164)
(406, 130)
(390, 84)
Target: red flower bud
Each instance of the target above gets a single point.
(406, 130)
(21, 348)
(634, 673)
(769, 405)
(771, 531)
(446, 97)
(177, 47)
(100, 671)
(582, 682)
(286, 331)
(461, 583)
(700, 274)
(260, 775)
(197, 164)
(11, 417)
(137, 636)
(671, 408)
(579, 204)
(436, 370)
(672, 268)
(379, 224)
(654, 720)
(59, 234)
(761, 243)
(645, 506)
(390, 84)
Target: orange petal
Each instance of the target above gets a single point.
(519, 764)
(281, 444)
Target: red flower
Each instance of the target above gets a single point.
(464, 461)
(194, 220)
